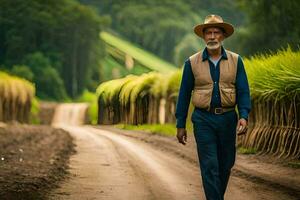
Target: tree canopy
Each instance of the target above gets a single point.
(65, 33)
(272, 24)
(57, 43)
(160, 26)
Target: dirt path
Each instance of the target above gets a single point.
(113, 166)
(110, 166)
(263, 170)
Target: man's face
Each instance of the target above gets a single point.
(213, 37)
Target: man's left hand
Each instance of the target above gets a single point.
(242, 126)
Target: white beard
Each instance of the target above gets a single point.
(213, 46)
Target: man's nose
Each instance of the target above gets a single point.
(212, 35)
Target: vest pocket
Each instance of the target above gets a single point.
(201, 98)
(228, 96)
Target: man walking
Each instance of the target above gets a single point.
(216, 80)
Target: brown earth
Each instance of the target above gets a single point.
(46, 112)
(32, 160)
(118, 164)
(264, 170)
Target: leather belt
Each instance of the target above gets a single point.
(220, 110)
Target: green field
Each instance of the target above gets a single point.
(161, 129)
(118, 48)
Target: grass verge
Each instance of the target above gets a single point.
(294, 164)
(90, 98)
(161, 129)
(244, 150)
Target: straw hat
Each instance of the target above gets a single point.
(214, 21)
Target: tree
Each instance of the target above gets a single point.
(189, 45)
(49, 84)
(160, 25)
(272, 24)
(23, 71)
(66, 33)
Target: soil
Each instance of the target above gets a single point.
(118, 164)
(33, 159)
(46, 112)
(260, 169)
(39, 162)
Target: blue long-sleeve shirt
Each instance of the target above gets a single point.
(187, 85)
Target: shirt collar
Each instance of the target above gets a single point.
(205, 54)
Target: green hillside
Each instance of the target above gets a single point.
(113, 69)
(118, 49)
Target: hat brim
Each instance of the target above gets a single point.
(228, 28)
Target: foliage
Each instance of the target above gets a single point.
(274, 76)
(160, 25)
(274, 86)
(49, 84)
(143, 57)
(16, 95)
(143, 85)
(112, 69)
(174, 83)
(163, 26)
(162, 129)
(187, 47)
(159, 87)
(16, 88)
(90, 98)
(294, 164)
(66, 33)
(272, 24)
(34, 111)
(22, 71)
(151, 23)
(244, 150)
(111, 89)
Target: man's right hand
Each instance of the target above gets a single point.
(181, 135)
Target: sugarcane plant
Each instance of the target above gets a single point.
(16, 95)
(274, 121)
(275, 91)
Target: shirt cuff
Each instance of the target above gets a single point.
(243, 113)
(180, 123)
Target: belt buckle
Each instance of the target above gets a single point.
(218, 111)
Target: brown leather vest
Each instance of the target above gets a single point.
(203, 88)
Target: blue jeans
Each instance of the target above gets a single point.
(215, 136)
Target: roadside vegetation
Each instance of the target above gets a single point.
(161, 129)
(244, 150)
(16, 96)
(91, 99)
(55, 45)
(274, 85)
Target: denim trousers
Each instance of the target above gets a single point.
(215, 136)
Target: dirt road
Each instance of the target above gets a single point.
(112, 166)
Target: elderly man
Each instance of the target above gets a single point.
(217, 81)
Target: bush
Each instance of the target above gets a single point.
(22, 71)
(34, 111)
(161, 129)
(49, 84)
(91, 99)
